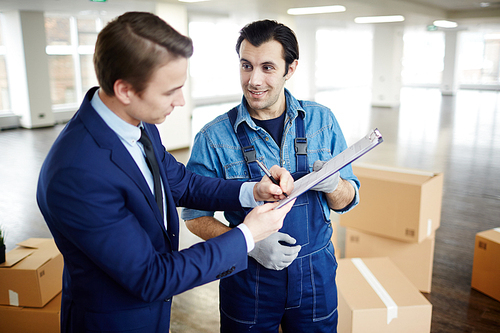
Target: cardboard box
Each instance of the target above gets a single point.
(486, 266)
(376, 297)
(402, 204)
(18, 319)
(334, 240)
(415, 260)
(32, 273)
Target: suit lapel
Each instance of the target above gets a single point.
(106, 138)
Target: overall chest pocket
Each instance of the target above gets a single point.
(296, 223)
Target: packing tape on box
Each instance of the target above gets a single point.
(13, 298)
(392, 307)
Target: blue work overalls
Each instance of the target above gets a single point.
(301, 297)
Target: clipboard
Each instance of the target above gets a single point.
(367, 143)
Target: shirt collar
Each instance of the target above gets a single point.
(292, 109)
(128, 133)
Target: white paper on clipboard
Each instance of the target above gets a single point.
(346, 157)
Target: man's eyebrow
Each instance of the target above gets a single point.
(264, 63)
(174, 89)
(269, 63)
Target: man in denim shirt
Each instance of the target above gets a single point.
(290, 278)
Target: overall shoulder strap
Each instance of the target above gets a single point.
(300, 144)
(248, 149)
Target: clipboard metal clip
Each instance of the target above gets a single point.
(375, 136)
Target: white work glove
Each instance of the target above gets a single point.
(272, 255)
(328, 185)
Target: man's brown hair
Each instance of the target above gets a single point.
(132, 46)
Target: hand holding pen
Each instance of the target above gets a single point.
(268, 174)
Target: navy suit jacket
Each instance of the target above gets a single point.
(122, 266)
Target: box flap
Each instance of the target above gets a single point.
(395, 282)
(34, 243)
(400, 175)
(356, 290)
(492, 235)
(44, 250)
(360, 295)
(16, 255)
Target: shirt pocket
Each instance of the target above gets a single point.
(236, 170)
(313, 156)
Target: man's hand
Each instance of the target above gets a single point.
(328, 185)
(271, 254)
(264, 220)
(266, 190)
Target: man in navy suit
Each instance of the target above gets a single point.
(96, 191)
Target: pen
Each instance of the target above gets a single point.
(268, 173)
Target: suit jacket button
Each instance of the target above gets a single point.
(168, 299)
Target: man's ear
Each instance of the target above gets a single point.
(291, 69)
(123, 91)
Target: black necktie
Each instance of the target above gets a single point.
(153, 166)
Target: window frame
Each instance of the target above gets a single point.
(75, 51)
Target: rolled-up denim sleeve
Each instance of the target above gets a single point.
(339, 144)
(354, 201)
(189, 214)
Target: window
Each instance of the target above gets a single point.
(4, 87)
(423, 57)
(70, 47)
(480, 56)
(344, 57)
(214, 65)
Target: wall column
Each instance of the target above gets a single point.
(176, 129)
(449, 83)
(305, 77)
(27, 67)
(387, 64)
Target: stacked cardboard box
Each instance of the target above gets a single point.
(398, 214)
(30, 287)
(376, 297)
(334, 239)
(415, 260)
(486, 266)
(20, 319)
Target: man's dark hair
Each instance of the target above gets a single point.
(132, 46)
(259, 32)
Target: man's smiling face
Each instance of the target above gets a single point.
(262, 76)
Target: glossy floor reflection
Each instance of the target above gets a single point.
(459, 136)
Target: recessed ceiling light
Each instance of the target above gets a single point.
(316, 10)
(193, 0)
(379, 19)
(445, 24)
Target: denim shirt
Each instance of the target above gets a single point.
(217, 153)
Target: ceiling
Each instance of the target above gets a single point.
(458, 10)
